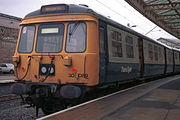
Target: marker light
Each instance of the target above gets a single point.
(51, 57)
(23, 68)
(74, 69)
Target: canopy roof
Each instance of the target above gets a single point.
(164, 13)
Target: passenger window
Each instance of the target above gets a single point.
(175, 55)
(129, 47)
(116, 36)
(150, 51)
(178, 58)
(116, 49)
(155, 53)
(170, 56)
(116, 44)
(76, 37)
(160, 54)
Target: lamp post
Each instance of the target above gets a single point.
(131, 26)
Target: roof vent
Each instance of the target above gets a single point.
(84, 5)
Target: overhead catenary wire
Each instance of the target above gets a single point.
(114, 11)
(136, 15)
(139, 17)
(120, 15)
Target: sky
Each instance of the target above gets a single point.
(118, 10)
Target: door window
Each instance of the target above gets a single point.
(76, 37)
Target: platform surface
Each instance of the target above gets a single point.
(157, 100)
(6, 78)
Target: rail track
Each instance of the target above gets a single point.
(7, 99)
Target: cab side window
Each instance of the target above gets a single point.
(101, 37)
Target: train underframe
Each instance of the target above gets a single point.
(50, 97)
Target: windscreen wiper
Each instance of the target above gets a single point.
(73, 29)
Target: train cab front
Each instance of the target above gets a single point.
(56, 56)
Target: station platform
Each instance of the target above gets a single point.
(6, 81)
(6, 78)
(157, 100)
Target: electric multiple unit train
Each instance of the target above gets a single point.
(65, 50)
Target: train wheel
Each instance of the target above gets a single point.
(52, 106)
(11, 72)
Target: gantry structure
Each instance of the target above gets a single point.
(164, 13)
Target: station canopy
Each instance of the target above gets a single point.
(164, 13)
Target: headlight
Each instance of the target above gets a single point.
(52, 70)
(43, 70)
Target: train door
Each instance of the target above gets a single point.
(141, 56)
(174, 61)
(165, 57)
(102, 51)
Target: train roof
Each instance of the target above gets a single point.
(72, 8)
(60, 8)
